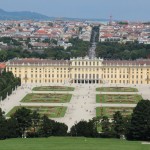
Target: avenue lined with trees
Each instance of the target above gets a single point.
(8, 83)
(106, 50)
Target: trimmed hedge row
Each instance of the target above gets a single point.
(8, 83)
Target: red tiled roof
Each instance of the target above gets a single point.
(2, 66)
(41, 32)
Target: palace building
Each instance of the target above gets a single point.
(81, 70)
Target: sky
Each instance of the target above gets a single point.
(136, 10)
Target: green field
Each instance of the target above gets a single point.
(118, 98)
(116, 89)
(53, 88)
(70, 143)
(46, 98)
(110, 111)
(50, 111)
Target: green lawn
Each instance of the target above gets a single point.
(53, 88)
(109, 111)
(68, 143)
(46, 98)
(118, 98)
(50, 111)
(116, 89)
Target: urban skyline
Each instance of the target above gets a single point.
(121, 10)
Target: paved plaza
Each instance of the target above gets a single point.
(83, 102)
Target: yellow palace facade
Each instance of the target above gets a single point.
(81, 70)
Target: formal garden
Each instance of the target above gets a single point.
(116, 89)
(53, 88)
(110, 111)
(49, 111)
(118, 98)
(46, 98)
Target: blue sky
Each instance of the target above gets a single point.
(137, 10)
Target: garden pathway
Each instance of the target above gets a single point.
(82, 105)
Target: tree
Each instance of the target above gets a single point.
(139, 128)
(35, 120)
(8, 83)
(12, 128)
(45, 127)
(59, 129)
(3, 55)
(84, 128)
(106, 126)
(118, 124)
(3, 124)
(23, 117)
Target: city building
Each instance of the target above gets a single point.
(81, 70)
(2, 67)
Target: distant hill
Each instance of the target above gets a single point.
(27, 15)
(22, 15)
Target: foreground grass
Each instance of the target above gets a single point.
(116, 89)
(68, 143)
(53, 88)
(50, 111)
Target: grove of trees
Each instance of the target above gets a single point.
(25, 123)
(79, 49)
(8, 83)
(127, 51)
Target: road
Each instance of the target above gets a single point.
(92, 49)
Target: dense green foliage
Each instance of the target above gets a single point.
(84, 128)
(10, 41)
(7, 84)
(18, 52)
(126, 51)
(25, 123)
(139, 128)
(79, 49)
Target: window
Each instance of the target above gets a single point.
(97, 76)
(93, 76)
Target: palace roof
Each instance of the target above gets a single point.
(138, 62)
(37, 61)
